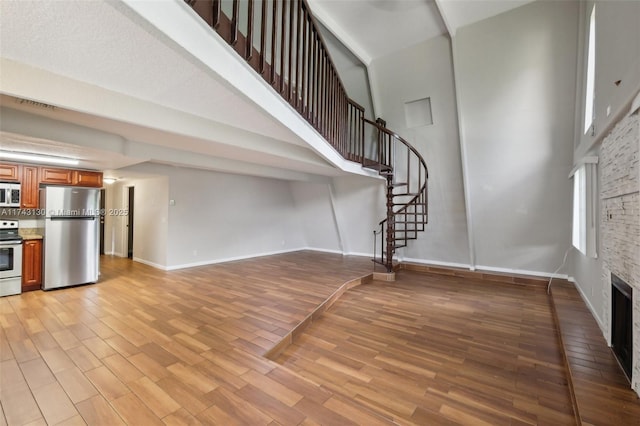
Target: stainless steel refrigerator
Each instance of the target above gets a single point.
(71, 235)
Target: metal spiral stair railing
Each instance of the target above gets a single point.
(407, 175)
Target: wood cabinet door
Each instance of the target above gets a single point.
(9, 172)
(87, 178)
(56, 176)
(29, 188)
(31, 265)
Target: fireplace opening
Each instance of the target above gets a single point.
(622, 323)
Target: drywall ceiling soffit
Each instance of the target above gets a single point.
(88, 158)
(99, 45)
(57, 131)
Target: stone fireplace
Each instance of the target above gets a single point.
(620, 227)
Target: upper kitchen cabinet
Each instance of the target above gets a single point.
(9, 172)
(52, 176)
(29, 187)
(87, 178)
(49, 175)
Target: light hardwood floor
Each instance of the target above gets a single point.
(185, 347)
(432, 349)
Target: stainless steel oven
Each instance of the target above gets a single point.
(10, 258)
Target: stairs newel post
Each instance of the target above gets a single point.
(390, 225)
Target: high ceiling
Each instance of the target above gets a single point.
(106, 68)
(374, 28)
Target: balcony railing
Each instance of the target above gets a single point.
(280, 40)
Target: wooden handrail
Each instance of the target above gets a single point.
(291, 55)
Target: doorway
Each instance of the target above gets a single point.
(102, 214)
(130, 223)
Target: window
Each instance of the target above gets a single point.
(591, 72)
(585, 207)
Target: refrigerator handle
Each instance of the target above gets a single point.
(73, 218)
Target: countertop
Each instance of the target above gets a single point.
(31, 233)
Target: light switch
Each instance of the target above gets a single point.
(172, 202)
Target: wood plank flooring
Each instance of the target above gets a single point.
(602, 392)
(432, 349)
(186, 347)
(147, 347)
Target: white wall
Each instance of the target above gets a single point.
(150, 220)
(314, 207)
(220, 216)
(359, 205)
(425, 70)
(516, 82)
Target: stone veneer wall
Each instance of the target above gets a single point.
(620, 221)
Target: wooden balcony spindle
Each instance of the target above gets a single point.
(305, 55)
(315, 82)
(274, 15)
(291, 46)
(263, 35)
(299, 56)
(332, 108)
(314, 79)
(249, 39)
(234, 22)
(324, 91)
(283, 41)
(319, 87)
(216, 14)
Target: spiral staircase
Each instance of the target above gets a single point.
(280, 40)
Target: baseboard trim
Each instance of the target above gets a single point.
(522, 272)
(230, 259)
(591, 308)
(435, 263)
(149, 263)
(323, 250)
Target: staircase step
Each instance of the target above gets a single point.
(374, 165)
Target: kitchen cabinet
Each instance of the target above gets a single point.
(49, 175)
(87, 178)
(56, 176)
(9, 172)
(31, 265)
(29, 188)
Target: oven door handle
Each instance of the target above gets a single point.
(10, 243)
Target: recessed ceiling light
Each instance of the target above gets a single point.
(37, 158)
